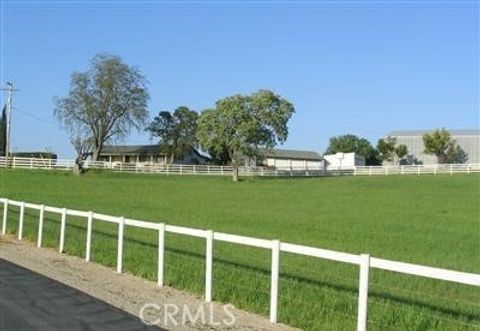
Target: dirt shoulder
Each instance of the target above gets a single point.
(165, 307)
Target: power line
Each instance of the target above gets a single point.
(38, 118)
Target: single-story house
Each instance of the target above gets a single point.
(288, 159)
(343, 161)
(148, 154)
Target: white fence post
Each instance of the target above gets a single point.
(209, 267)
(451, 169)
(5, 211)
(62, 230)
(121, 225)
(370, 170)
(20, 222)
(40, 226)
(274, 280)
(363, 292)
(88, 249)
(161, 253)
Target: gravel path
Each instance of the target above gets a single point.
(131, 293)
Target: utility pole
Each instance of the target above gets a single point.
(9, 89)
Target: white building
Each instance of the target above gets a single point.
(289, 159)
(468, 140)
(343, 161)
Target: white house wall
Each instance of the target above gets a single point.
(315, 164)
(294, 164)
(348, 161)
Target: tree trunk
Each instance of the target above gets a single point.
(172, 158)
(78, 167)
(441, 158)
(235, 172)
(96, 153)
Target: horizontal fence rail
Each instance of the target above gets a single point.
(216, 170)
(364, 261)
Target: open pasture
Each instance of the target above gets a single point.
(430, 220)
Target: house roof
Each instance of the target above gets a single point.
(137, 149)
(131, 149)
(414, 133)
(293, 154)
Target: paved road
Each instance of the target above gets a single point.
(30, 301)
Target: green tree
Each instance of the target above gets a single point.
(104, 103)
(438, 143)
(456, 154)
(387, 149)
(350, 143)
(3, 131)
(401, 151)
(245, 125)
(211, 141)
(219, 155)
(177, 132)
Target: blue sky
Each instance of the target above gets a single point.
(364, 68)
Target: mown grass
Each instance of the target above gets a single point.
(431, 220)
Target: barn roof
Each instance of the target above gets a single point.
(131, 149)
(414, 133)
(293, 154)
(138, 149)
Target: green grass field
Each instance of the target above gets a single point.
(430, 220)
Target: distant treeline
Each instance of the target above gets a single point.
(37, 155)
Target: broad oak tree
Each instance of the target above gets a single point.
(245, 126)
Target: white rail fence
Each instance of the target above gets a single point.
(364, 261)
(215, 170)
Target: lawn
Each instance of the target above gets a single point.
(431, 220)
